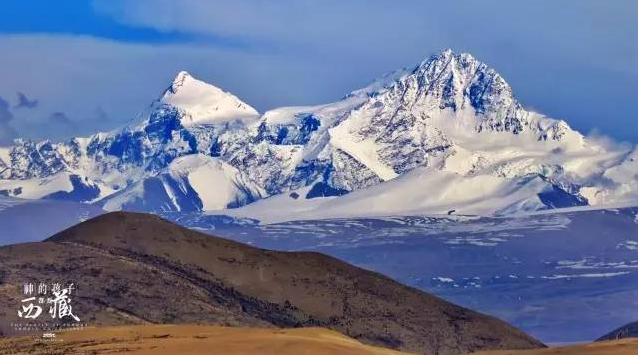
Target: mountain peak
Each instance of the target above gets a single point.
(447, 56)
(182, 74)
(179, 80)
(204, 103)
(438, 60)
(447, 52)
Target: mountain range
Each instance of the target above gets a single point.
(445, 136)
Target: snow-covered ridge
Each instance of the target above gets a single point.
(446, 136)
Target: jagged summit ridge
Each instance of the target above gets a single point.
(447, 133)
(448, 81)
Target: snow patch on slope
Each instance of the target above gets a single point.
(363, 150)
(422, 191)
(217, 183)
(190, 183)
(37, 188)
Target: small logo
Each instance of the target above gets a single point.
(46, 308)
(59, 305)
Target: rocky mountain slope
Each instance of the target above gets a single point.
(132, 268)
(626, 331)
(447, 134)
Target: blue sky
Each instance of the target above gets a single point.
(74, 67)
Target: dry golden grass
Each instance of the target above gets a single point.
(193, 340)
(617, 347)
(197, 340)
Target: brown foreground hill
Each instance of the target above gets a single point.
(132, 268)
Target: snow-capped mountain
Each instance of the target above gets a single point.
(447, 134)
